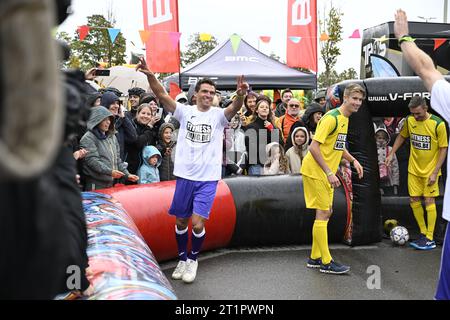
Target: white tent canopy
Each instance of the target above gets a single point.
(124, 78)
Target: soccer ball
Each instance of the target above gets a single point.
(399, 235)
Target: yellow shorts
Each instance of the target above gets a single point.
(318, 193)
(418, 187)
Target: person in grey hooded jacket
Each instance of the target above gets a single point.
(124, 128)
(102, 163)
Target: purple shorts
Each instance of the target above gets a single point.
(193, 197)
(443, 288)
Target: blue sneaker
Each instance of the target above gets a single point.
(334, 268)
(314, 263)
(426, 244)
(416, 242)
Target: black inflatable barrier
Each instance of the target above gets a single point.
(366, 215)
(270, 210)
(385, 97)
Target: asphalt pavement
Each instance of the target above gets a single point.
(378, 272)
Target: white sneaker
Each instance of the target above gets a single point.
(191, 271)
(179, 270)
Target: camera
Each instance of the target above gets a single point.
(77, 109)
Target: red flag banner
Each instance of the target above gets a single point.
(160, 19)
(265, 39)
(174, 90)
(438, 43)
(83, 32)
(302, 23)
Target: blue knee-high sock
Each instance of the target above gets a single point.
(197, 241)
(182, 240)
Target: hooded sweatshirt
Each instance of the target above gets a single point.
(295, 154)
(103, 149)
(148, 173)
(306, 121)
(125, 130)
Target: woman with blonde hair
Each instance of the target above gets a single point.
(277, 162)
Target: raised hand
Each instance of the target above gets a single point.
(401, 24)
(142, 67)
(242, 86)
(90, 74)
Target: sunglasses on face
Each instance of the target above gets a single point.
(294, 105)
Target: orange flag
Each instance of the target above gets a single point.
(144, 36)
(324, 36)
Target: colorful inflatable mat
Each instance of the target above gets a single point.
(122, 265)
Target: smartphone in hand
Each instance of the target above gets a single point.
(159, 112)
(102, 72)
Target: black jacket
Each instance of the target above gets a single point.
(256, 141)
(145, 136)
(125, 133)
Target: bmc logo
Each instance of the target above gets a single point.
(240, 58)
(193, 80)
(301, 12)
(155, 12)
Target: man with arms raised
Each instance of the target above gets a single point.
(424, 67)
(198, 162)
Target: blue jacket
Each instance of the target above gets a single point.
(146, 172)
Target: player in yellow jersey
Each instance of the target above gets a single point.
(428, 140)
(319, 174)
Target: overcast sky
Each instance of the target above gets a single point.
(253, 18)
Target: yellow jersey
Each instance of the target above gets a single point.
(426, 137)
(331, 133)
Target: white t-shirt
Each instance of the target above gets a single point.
(440, 101)
(199, 150)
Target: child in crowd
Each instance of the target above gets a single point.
(389, 176)
(276, 162)
(296, 153)
(166, 146)
(148, 171)
(234, 148)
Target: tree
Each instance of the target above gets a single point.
(97, 45)
(73, 62)
(348, 74)
(329, 50)
(333, 77)
(197, 49)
